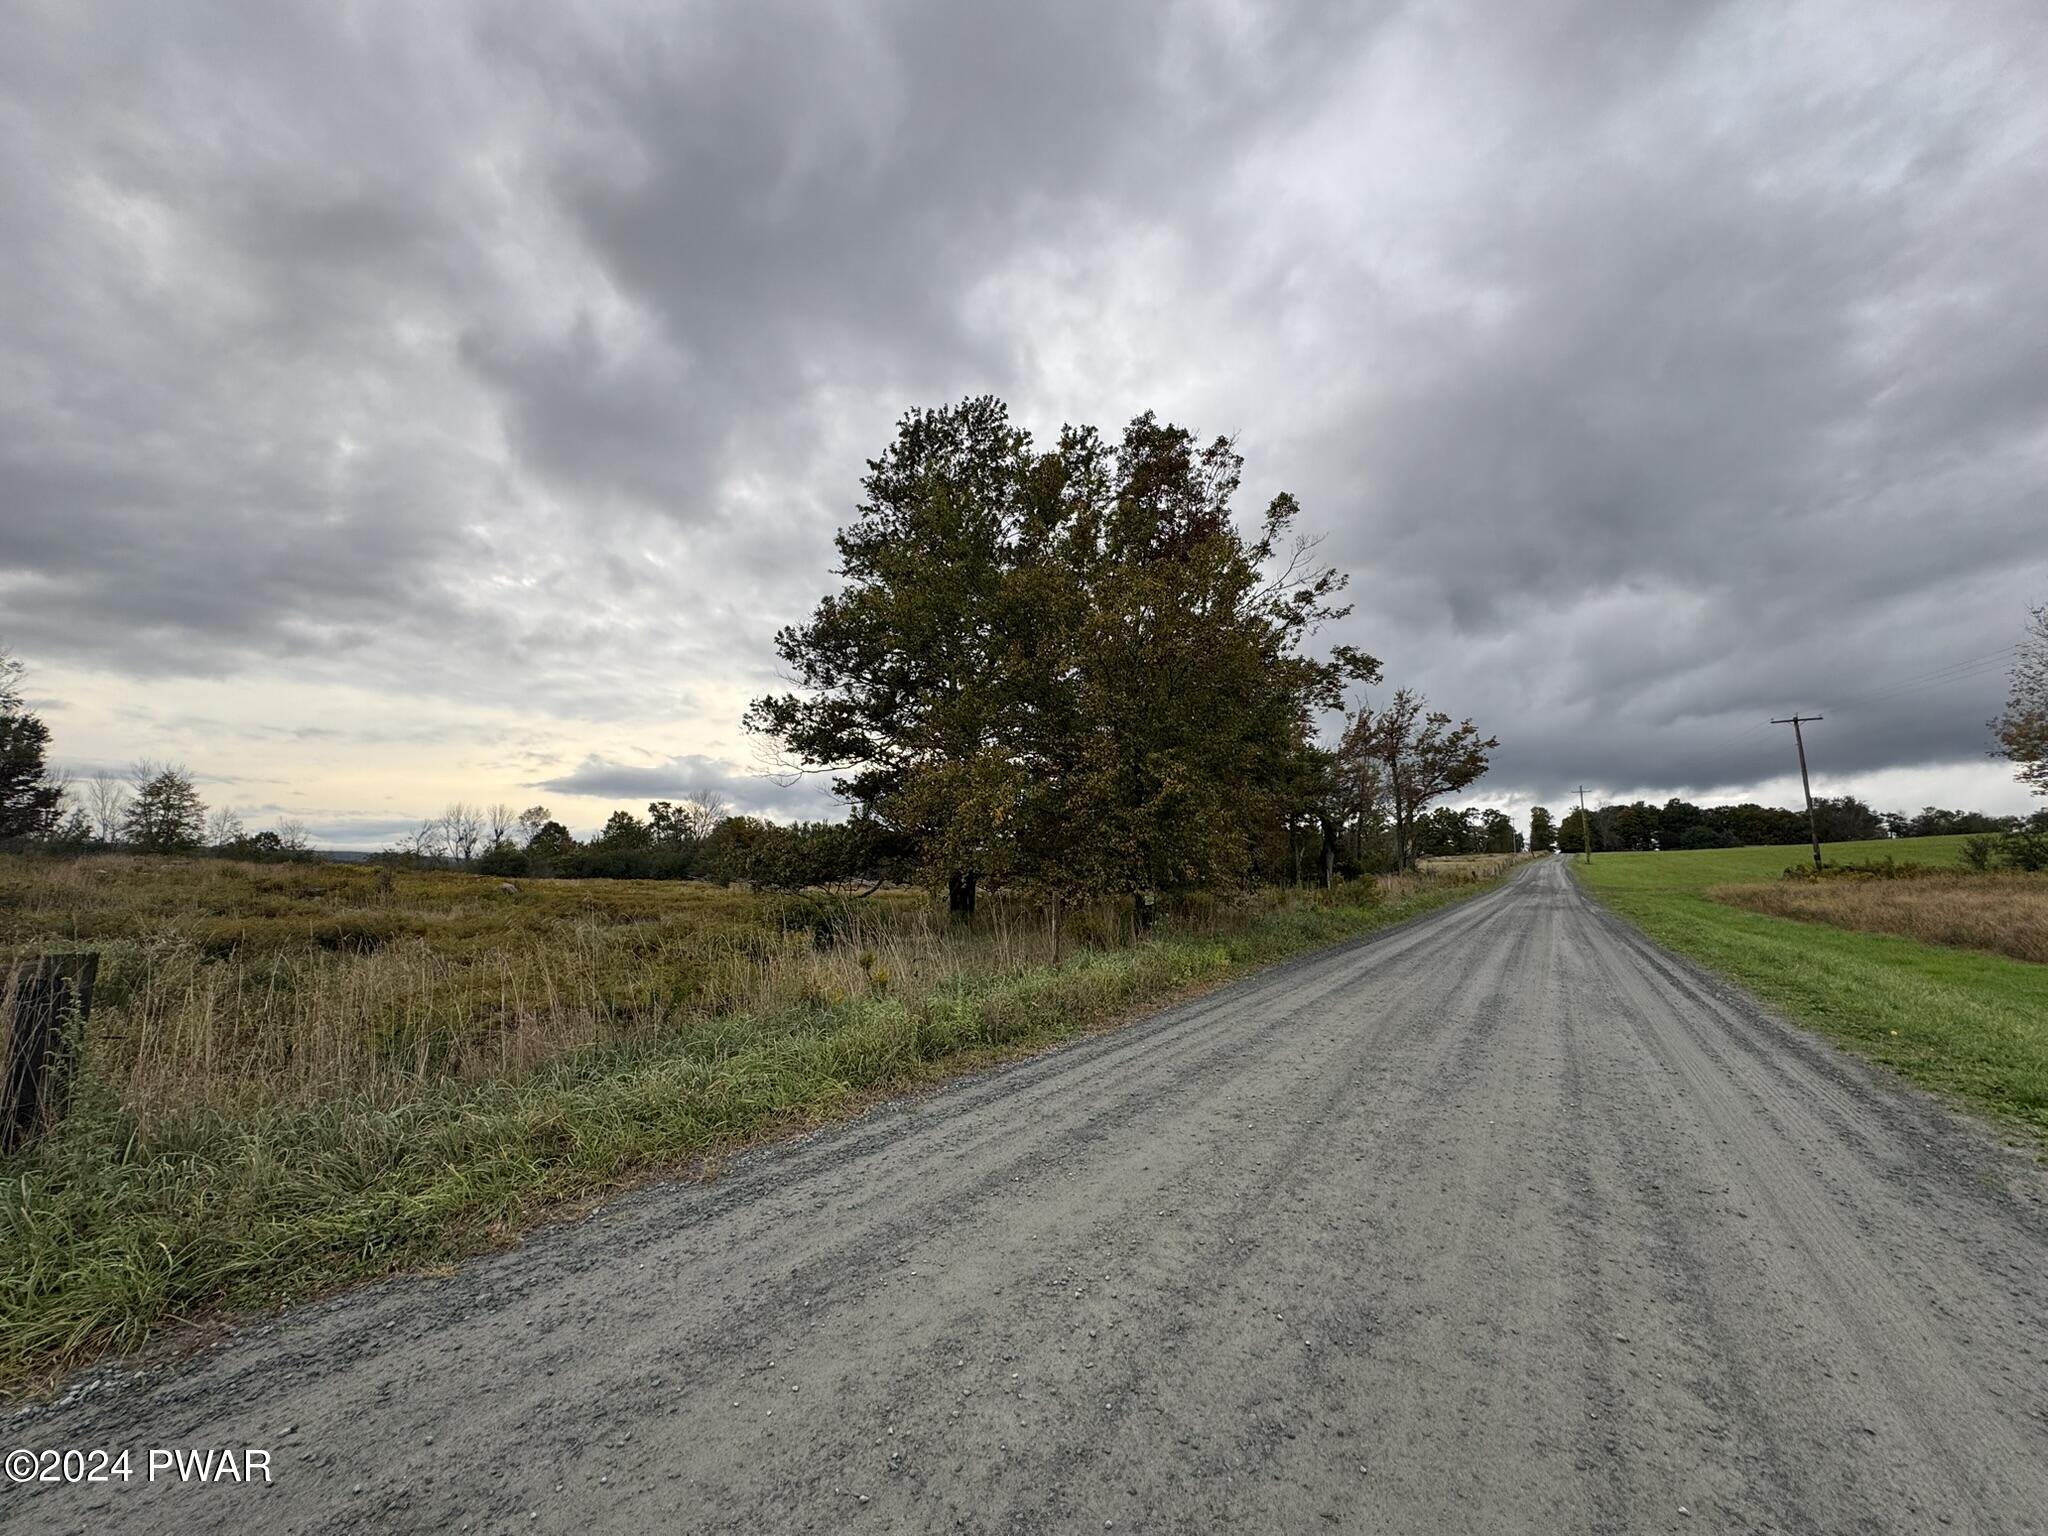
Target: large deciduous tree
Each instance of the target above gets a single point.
(623, 831)
(1068, 665)
(499, 821)
(1192, 682)
(1497, 832)
(903, 676)
(106, 803)
(529, 823)
(1636, 825)
(2022, 729)
(224, 828)
(682, 826)
(1425, 755)
(1579, 832)
(462, 828)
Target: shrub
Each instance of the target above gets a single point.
(2026, 846)
(1978, 852)
(358, 933)
(826, 918)
(503, 860)
(1886, 868)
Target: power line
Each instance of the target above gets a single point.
(1906, 690)
(1930, 680)
(1955, 671)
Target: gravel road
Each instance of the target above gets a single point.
(1503, 1220)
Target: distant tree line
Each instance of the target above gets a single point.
(1445, 832)
(695, 838)
(156, 808)
(1640, 827)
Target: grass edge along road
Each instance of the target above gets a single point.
(1970, 1025)
(104, 1252)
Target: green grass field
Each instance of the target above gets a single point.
(1697, 870)
(1968, 1024)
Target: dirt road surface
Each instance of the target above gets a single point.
(1500, 1221)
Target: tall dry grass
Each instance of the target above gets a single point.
(297, 1076)
(2004, 914)
(224, 986)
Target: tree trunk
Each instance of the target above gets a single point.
(1329, 855)
(1141, 907)
(1400, 817)
(960, 896)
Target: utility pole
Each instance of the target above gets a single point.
(1585, 824)
(1812, 826)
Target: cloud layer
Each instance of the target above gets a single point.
(503, 371)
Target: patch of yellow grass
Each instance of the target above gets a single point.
(2002, 914)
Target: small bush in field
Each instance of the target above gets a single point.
(504, 860)
(2026, 846)
(1979, 852)
(1886, 868)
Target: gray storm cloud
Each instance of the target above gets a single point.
(1653, 369)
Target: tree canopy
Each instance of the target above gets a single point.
(2022, 728)
(166, 814)
(1067, 664)
(1423, 756)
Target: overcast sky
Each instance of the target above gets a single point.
(409, 402)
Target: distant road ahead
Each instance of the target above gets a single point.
(1502, 1221)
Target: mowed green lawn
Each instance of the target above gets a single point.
(1968, 1024)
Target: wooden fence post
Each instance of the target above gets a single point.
(43, 1041)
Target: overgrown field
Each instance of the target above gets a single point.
(298, 1075)
(2002, 914)
(1971, 1024)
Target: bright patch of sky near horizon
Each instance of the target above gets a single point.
(401, 404)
